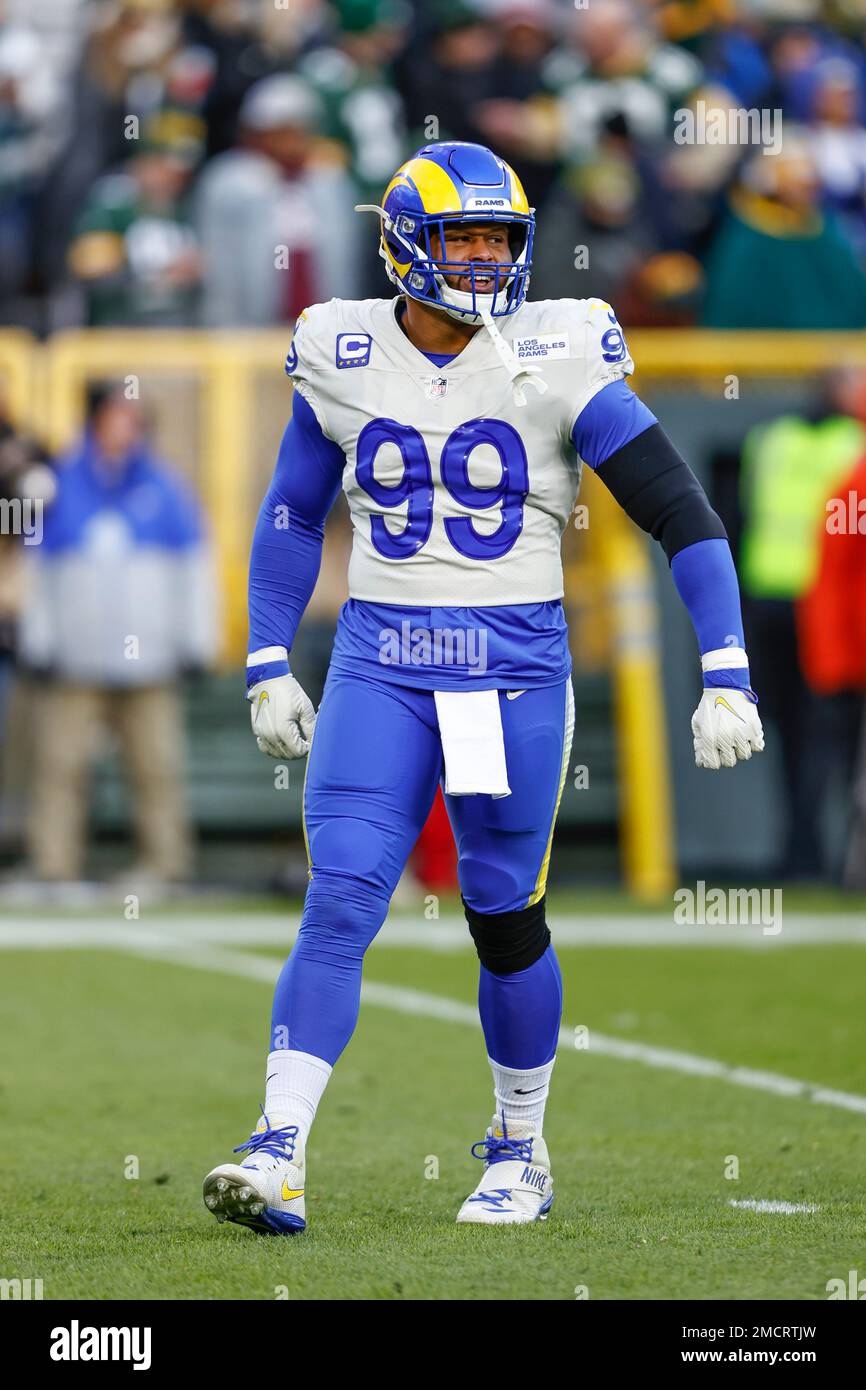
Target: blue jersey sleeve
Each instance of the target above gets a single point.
(707, 583)
(617, 435)
(287, 541)
(614, 417)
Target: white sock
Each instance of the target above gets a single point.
(522, 1095)
(294, 1086)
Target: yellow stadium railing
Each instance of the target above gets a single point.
(44, 386)
(20, 362)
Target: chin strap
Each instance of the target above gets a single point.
(521, 374)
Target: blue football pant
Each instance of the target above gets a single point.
(372, 775)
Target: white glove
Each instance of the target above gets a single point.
(282, 717)
(726, 727)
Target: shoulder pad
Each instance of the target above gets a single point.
(331, 335)
(314, 328)
(605, 347)
(590, 328)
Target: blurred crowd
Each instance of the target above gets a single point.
(197, 161)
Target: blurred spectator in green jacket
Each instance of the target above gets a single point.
(360, 108)
(778, 261)
(135, 252)
(616, 66)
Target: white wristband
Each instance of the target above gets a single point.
(266, 654)
(725, 659)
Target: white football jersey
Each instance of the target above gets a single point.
(458, 495)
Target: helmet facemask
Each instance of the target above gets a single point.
(408, 239)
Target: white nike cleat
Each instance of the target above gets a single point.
(516, 1186)
(266, 1191)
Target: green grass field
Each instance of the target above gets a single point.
(113, 1057)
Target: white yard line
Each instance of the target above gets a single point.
(783, 1208)
(448, 934)
(201, 943)
(421, 1004)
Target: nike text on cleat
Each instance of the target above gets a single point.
(266, 1191)
(516, 1187)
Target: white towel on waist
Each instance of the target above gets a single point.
(470, 726)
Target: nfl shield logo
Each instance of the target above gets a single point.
(437, 386)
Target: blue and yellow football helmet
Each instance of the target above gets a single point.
(446, 183)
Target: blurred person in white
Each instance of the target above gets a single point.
(838, 144)
(352, 76)
(272, 213)
(615, 65)
(123, 74)
(120, 605)
(30, 135)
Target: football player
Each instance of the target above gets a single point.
(457, 417)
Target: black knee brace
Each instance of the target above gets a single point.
(509, 941)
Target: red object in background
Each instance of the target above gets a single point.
(435, 857)
(831, 617)
(300, 282)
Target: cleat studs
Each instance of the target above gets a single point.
(221, 1185)
(245, 1194)
(210, 1201)
(257, 1208)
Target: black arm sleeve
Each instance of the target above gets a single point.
(655, 486)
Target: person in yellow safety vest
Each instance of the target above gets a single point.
(789, 467)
